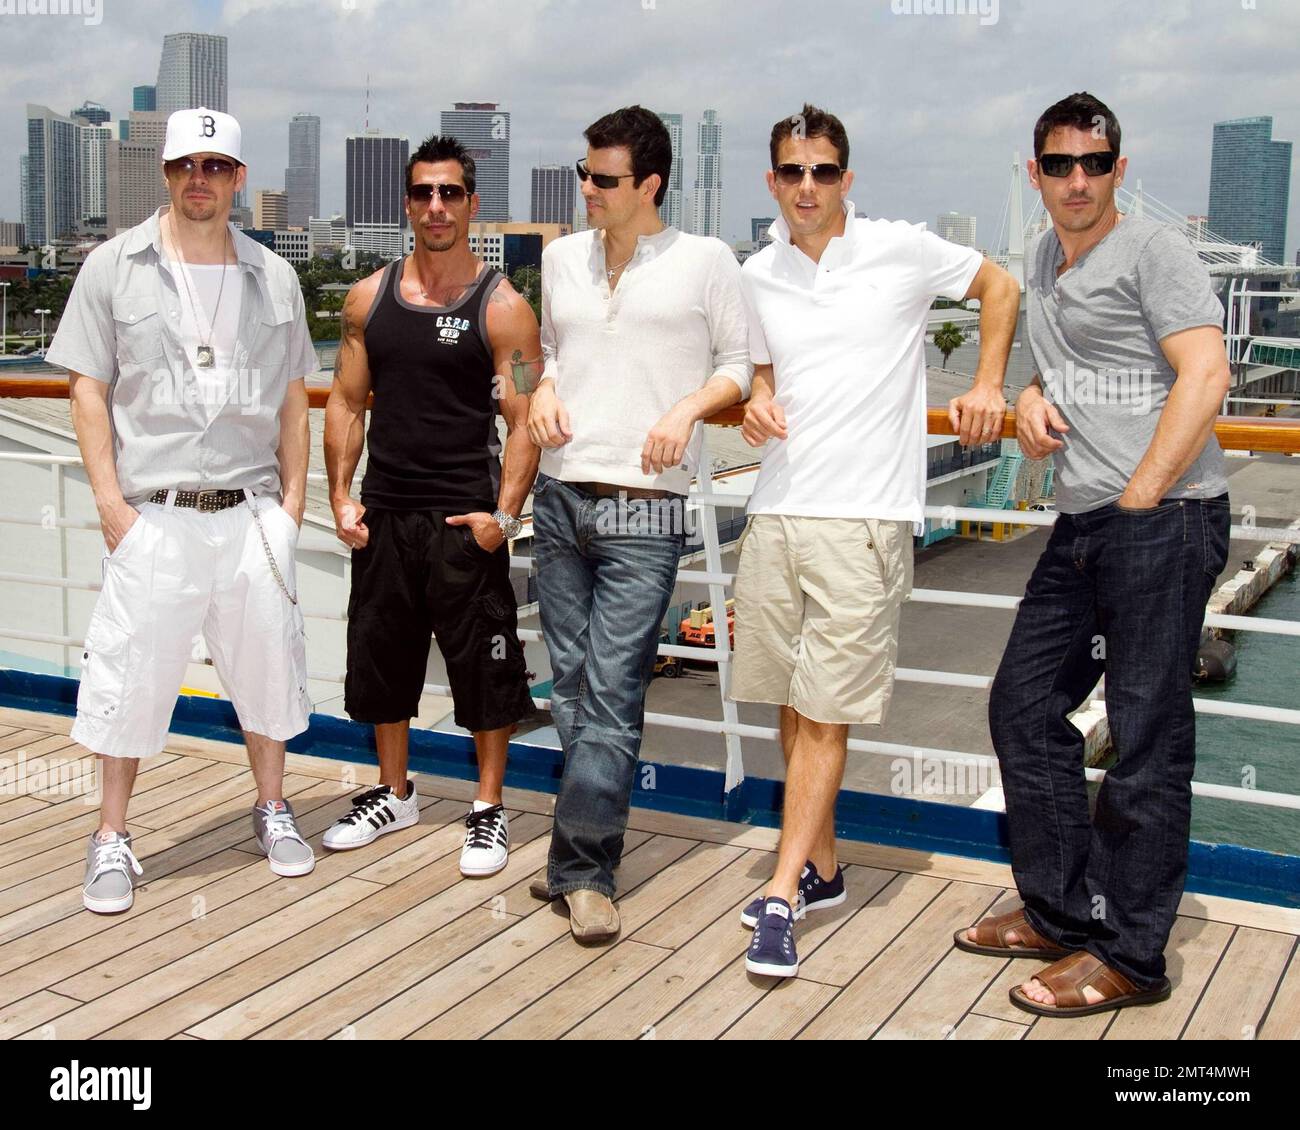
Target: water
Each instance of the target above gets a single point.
(1268, 674)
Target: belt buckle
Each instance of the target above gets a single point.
(201, 505)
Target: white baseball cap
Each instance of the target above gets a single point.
(201, 131)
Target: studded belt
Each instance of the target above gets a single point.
(204, 501)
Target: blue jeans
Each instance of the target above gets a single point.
(1120, 593)
(606, 568)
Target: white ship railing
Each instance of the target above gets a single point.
(717, 583)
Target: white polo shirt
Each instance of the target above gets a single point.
(846, 340)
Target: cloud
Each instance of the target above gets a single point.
(935, 105)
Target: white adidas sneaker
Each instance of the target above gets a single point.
(373, 814)
(487, 840)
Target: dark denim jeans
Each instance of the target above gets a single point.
(1120, 593)
(606, 568)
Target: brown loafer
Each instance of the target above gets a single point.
(991, 938)
(592, 916)
(539, 888)
(1066, 979)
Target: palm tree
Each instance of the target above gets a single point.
(947, 339)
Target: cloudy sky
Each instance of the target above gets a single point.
(935, 105)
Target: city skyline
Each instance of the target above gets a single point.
(917, 155)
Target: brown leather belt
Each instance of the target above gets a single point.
(613, 490)
(204, 501)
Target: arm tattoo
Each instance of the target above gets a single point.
(350, 328)
(526, 374)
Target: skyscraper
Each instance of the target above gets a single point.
(145, 98)
(758, 226)
(484, 130)
(302, 174)
(708, 176)
(135, 185)
(956, 228)
(53, 175)
(148, 126)
(271, 209)
(91, 113)
(670, 211)
(94, 171)
(376, 190)
(22, 190)
(192, 72)
(95, 134)
(1250, 177)
(553, 190)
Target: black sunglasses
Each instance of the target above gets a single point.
(822, 174)
(214, 168)
(1062, 164)
(600, 180)
(450, 193)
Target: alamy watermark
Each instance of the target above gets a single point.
(646, 517)
(1132, 388)
(90, 11)
(986, 10)
(50, 777)
(919, 775)
(229, 388)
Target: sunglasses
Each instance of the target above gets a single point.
(821, 174)
(600, 180)
(449, 193)
(214, 168)
(1062, 164)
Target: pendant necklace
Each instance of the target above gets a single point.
(205, 355)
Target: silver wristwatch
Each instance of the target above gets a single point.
(510, 525)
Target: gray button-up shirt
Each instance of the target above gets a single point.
(122, 326)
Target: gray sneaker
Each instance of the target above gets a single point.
(108, 888)
(278, 836)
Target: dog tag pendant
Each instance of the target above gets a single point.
(206, 357)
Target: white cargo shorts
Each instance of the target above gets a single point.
(179, 576)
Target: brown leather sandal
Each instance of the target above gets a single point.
(1066, 979)
(991, 938)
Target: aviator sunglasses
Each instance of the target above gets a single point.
(214, 168)
(790, 174)
(1062, 164)
(450, 193)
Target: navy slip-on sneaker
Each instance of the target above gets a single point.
(771, 950)
(815, 893)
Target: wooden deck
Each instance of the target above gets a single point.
(389, 941)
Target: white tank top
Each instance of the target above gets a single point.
(196, 328)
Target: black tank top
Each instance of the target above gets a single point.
(432, 442)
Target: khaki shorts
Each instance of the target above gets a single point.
(817, 610)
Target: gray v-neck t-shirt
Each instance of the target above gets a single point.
(1095, 332)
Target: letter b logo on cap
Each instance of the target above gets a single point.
(207, 125)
